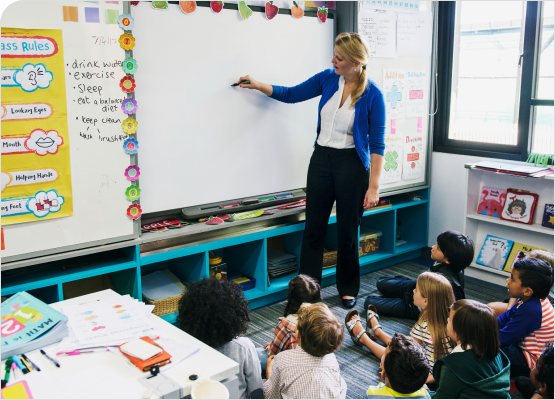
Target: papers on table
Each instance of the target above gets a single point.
(107, 322)
(280, 263)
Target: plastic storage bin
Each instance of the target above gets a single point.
(246, 282)
(218, 268)
(369, 241)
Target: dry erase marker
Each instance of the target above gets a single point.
(32, 364)
(77, 352)
(243, 82)
(266, 198)
(22, 367)
(56, 363)
(283, 196)
(26, 363)
(249, 202)
(230, 205)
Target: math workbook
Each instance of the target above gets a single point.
(29, 324)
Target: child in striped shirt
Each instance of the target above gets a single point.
(527, 327)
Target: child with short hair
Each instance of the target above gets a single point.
(310, 371)
(501, 307)
(302, 289)
(217, 313)
(404, 369)
(475, 368)
(527, 327)
(540, 383)
(434, 295)
(453, 252)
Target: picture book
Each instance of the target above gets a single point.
(518, 252)
(547, 219)
(494, 252)
(491, 201)
(520, 206)
(29, 324)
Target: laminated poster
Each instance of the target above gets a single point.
(36, 174)
(414, 162)
(394, 93)
(393, 154)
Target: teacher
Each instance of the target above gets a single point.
(350, 138)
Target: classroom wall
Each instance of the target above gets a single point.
(448, 193)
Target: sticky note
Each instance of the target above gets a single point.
(419, 128)
(92, 14)
(19, 390)
(393, 127)
(70, 14)
(112, 16)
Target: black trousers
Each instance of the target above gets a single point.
(334, 175)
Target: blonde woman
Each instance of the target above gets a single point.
(350, 138)
(434, 295)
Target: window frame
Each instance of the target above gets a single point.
(527, 100)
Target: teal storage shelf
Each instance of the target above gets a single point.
(244, 251)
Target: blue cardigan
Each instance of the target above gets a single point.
(369, 125)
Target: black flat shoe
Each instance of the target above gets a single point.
(349, 303)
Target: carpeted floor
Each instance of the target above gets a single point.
(358, 366)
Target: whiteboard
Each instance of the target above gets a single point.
(97, 158)
(203, 141)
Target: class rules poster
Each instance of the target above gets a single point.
(36, 173)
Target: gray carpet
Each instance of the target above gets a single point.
(358, 366)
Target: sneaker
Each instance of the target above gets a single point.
(524, 386)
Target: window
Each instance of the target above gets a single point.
(495, 79)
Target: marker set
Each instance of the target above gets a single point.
(237, 205)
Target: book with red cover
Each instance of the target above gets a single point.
(145, 365)
(520, 206)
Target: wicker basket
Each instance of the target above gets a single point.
(330, 259)
(166, 306)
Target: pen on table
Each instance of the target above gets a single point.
(56, 363)
(7, 375)
(24, 361)
(32, 364)
(77, 352)
(14, 368)
(20, 365)
(243, 82)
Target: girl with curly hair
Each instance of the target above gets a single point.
(217, 313)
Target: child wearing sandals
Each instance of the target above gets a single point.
(302, 289)
(217, 313)
(433, 293)
(476, 368)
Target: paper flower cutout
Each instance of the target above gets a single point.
(126, 22)
(129, 126)
(134, 211)
(130, 66)
(127, 41)
(132, 173)
(131, 146)
(129, 106)
(133, 193)
(127, 84)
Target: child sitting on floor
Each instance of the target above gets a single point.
(540, 383)
(500, 307)
(527, 327)
(310, 371)
(452, 254)
(475, 369)
(434, 295)
(404, 369)
(302, 289)
(217, 313)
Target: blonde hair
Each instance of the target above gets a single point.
(354, 48)
(439, 293)
(542, 255)
(320, 331)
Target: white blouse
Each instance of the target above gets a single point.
(337, 123)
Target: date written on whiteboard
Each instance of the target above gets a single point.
(104, 41)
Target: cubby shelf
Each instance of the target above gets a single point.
(244, 250)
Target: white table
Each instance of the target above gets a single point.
(106, 375)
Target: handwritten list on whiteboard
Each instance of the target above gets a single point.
(414, 34)
(379, 29)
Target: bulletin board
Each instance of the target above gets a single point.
(63, 161)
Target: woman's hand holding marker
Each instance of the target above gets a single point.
(254, 84)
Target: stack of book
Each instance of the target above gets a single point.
(29, 324)
(280, 263)
(514, 169)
